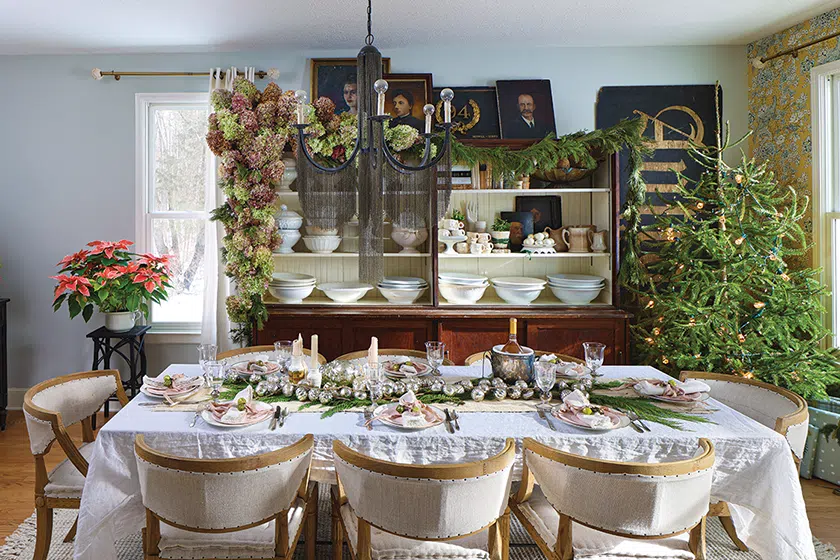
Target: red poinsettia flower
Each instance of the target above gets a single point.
(149, 278)
(130, 268)
(111, 272)
(72, 284)
(108, 247)
(75, 258)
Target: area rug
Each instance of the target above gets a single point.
(20, 545)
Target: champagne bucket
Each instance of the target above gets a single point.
(512, 367)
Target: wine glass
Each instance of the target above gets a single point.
(546, 378)
(215, 376)
(593, 353)
(206, 353)
(435, 354)
(374, 378)
(283, 353)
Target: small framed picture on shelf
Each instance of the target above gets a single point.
(405, 98)
(526, 109)
(475, 113)
(546, 211)
(521, 226)
(336, 78)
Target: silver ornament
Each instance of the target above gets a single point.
(477, 394)
(499, 393)
(521, 384)
(325, 397)
(528, 394)
(498, 382)
(485, 384)
(288, 389)
(514, 393)
(360, 395)
(357, 371)
(460, 389)
(301, 393)
(437, 386)
(255, 378)
(273, 378)
(425, 382)
(467, 384)
(399, 387)
(345, 392)
(562, 385)
(412, 386)
(586, 384)
(328, 385)
(387, 389)
(272, 388)
(262, 389)
(449, 390)
(359, 384)
(314, 394)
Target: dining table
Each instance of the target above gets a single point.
(754, 468)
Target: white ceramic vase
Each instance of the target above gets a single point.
(122, 321)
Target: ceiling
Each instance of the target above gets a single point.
(77, 26)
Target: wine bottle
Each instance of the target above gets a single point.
(512, 346)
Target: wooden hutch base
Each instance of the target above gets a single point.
(343, 329)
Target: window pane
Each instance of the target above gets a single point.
(180, 159)
(184, 239)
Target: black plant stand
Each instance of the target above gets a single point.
(133, 341)
(4, 371)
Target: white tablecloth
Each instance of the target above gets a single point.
(754, 469)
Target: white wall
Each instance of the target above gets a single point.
(67, 153)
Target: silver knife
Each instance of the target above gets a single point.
(283, 416)
(545, 417)
(455, 419)
(273, 424)
(448, 421)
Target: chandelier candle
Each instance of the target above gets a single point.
(301, 98)
(428, 110)
(447, 95)
(380, 86)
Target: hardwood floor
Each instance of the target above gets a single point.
(17, 480)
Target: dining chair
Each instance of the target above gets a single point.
(391, 353)
(577, 507)
(387, 510)
(779, 409)
(244, 353)
(247, 507)
(477, 357)
(50, 407)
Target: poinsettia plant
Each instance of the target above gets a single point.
(111, 278)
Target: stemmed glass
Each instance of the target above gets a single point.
(283, 353)
(215, 376)
(206, 353)
(593, 353)
(545, 377)
(374, 378)
(435, 354)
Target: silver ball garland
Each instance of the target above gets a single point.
(325, 397)
(477, 394)
(262, 389)
(437, 386)
(449, 390)
(359, 384)
(314, 394)
(399, 387)
(345, 392)
(528, 394)
(301, 394)
(387, 389)
(499, 393)
(521, 384)
(255, 378)
(484, 385)
(360, 395)
(514, 392)
(499, 383)
(288, 389)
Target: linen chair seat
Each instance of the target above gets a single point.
(387, 546)
(65, 480)
(596, 545)
(256, 542)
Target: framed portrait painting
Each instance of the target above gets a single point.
(336, 78)
(405, 98)
(546, 210)
(526, 109)
(475, 113)
(521, 226)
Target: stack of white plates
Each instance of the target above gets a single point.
(402, 290)
(345, 292)
(291, 287)
(518, 290)
(461, 288)
(576, 289)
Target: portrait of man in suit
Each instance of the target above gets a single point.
(525, 108)
(402, 106)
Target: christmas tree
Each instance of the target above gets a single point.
(718, 294)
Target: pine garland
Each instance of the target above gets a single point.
(647, 410)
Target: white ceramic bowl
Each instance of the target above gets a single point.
(322, 244)
(461, 294)
(288, 238)
(291, 294)
(345, 292)
(319, 231)
(575, 296)
(462, 279)
(291, 279)
(518, 296)
(577, 279)
(519, 282)
(402, 296)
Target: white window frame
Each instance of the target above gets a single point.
(825, 178)
(144, 103)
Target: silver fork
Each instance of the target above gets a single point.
(635, 418)
(196, 415)
(455, 419)
(368, 417)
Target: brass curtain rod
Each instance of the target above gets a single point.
(99, 74)
(760, 62)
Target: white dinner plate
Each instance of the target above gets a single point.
(623, 421)
(145, 391)
(207, 416)
(441, 416)
(671, 400)
(425, 369)
(291, 279)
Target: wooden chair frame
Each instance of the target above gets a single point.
(783, 423)
(264, 348)
(498, 537)
(308, 491)
(44, 505)
(391, 352)
(478, 356)
(563, 549)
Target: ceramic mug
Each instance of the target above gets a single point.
(462, 247)
(577, 238)
(450, 224)
(486, 247)
(598, 241)
(443, 232)
(472, 237)
(483, 237)
(476, 248)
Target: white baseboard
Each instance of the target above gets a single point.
(16, 400)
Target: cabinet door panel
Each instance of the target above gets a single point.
(330, 339)
(468, 336)
(567, 337)
(408, 334)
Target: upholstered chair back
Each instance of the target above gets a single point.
(222, 494)
(64, 401)
(426, 501)
(775, 407)
(628, 499)
(251, 352)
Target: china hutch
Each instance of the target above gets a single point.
(547, 323)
